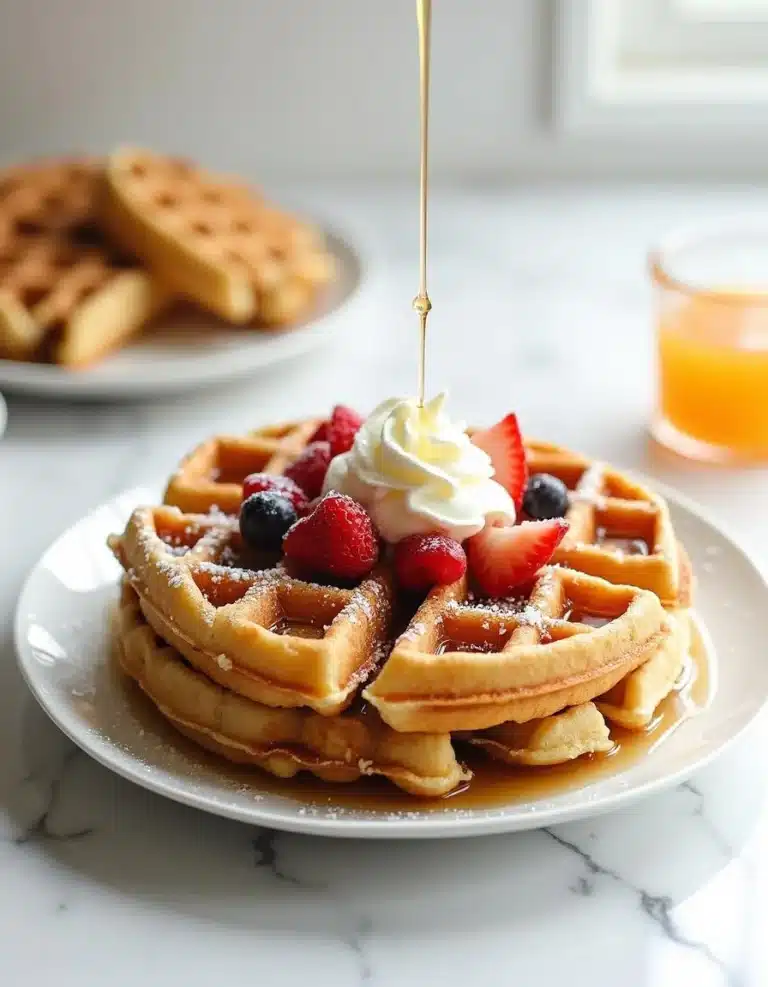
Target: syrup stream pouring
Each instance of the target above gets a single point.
(421, 302)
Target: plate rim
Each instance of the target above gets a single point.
(478, 823)
(353, 245)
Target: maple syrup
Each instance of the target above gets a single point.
(297, 628)
(421, 302)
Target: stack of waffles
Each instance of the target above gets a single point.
(254, 662)
(92, 250)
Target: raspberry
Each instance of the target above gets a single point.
(284, 486)
(343, 426)
(337, 539)
(310, 468)
(424, 561)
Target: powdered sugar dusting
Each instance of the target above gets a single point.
(590, 487)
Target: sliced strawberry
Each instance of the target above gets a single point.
(320, 434)
(504, 445)
(343, 426)
(502, 558)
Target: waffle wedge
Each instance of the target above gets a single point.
(258, 631)
(619, 530)
(65, 295)
(281, 741)
(463, 665)
(212, 239)
(212, 474)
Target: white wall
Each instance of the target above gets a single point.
(295, 88)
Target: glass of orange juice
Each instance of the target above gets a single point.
(711, 290)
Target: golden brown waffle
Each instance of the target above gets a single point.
(65, 296)
(619, 530)
(556, 739)
(460, 665)
(580, 730)
(632, 702)
(281, 741)
(213, 240)
(212, 475)
(465, 665)
(256, 630)
(340, 748)
(54, 196)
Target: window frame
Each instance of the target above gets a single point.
(602, 87)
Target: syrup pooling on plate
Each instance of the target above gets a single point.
(494, 784)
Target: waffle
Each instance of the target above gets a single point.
(281, 741)
(565, 736)
(212, 475)
(580, 730)
(619, 530)
(56, 196)
(65, 296)
(340, 748)
(463, 665)
(213, 240)
(459, 665)
(258, 631)
(534, 680)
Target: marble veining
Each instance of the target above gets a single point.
(107, 883)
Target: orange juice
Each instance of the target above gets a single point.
(713, 371)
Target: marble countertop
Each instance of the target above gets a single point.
(540, 304)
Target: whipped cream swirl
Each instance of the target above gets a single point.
(416, 472)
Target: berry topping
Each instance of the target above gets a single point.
(424, 561)
(337, 538)
(343, 426)
(504, 445)
(282, 485)
(264, 519)
(502, 558)
(545, 497)
(310, 468)
(320, 434)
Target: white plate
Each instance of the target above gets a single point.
(194, 350)
(62, 641)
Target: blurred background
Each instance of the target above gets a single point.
(326, 88)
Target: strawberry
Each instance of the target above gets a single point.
(310, 468)
(504, 445)
(284, 486)
(336, 539)
(320, 434)
(343, 426)
(501, 558)
(424, 561)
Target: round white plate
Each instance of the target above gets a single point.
(62, 640)
(193, 350)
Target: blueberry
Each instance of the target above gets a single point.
(545, 497)
(264, 519)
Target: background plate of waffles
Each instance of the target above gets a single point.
(140, 274)
(170, 644)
